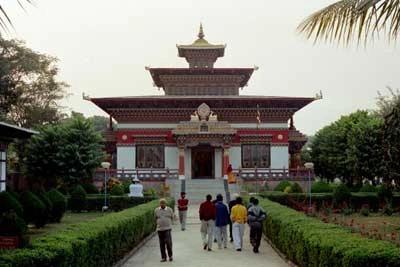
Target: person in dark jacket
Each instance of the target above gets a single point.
(255, 217)
(221, 222)
(207, 213)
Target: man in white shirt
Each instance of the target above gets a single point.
(136, 188)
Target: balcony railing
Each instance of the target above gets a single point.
(243, 173)
(140, 173)
(274, 174)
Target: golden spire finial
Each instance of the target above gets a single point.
(201, 33)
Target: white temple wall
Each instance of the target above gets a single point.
(171, 157)
(279, 157)
(235, 156)
(218, 163)
(188, 163)
(126, 157)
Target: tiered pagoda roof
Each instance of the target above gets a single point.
(187, 88)
(201, 78)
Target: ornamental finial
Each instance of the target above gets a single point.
(201, 33)
(318, 96)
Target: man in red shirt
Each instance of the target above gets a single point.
(182, 210)
(207, 214)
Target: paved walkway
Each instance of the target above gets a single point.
(188, 250)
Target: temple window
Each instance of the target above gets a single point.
(256, 155)
(150, 156)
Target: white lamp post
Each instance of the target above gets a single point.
(105, 165)
(309, 166)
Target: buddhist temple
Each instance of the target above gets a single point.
(203, 123)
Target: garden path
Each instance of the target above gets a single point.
(188, 250)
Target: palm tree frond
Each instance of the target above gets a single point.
(5, 20)
(349, 20)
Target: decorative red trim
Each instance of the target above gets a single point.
(278, 136)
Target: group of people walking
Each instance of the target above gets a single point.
(215, 217)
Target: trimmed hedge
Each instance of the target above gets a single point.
(309, 242)
(34, 209)
(59, 205)
(98, 242)
(282, 186)
(9, 202)
(78, 199)
(356, 202)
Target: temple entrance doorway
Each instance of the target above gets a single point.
(203, 162)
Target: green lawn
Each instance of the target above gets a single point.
(68, 219)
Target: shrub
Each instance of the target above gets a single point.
(8, 202)
(47, 203)
(59, 205)
(387, 209)
(12, 225)
(364, 211)
(320, 187)
(355, 187)
(90, 188)
(117, 190)
(341, 194)
(385, 193)
(34, 209)
(126, 184)
(112, 182)
(281, 186)
(150, 193)
(288, 189)
(296, 188)
(368, 188)
(78, 199)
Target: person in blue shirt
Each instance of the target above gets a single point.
(221, 221)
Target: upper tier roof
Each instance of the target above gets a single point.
(201, 54)
(202, 81)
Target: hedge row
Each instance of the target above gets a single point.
(308, 242)
(98, 242)
(95, 202)
(357, 199)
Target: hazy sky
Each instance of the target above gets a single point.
(103, 47)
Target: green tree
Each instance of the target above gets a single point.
(350, 148)
(70, 151)
(29, 90)
(346, 20)
(389, 109)
(100, 123)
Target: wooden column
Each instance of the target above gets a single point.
(181, 163)
(225, 160)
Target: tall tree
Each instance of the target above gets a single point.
(347, 20)
(389, 109)
(70, 151)
(29, 89)
(350, 147)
